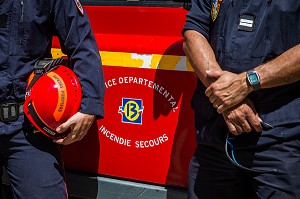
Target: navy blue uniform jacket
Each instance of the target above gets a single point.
(276, 28)
(26, 30)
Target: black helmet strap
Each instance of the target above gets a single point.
(44, 66)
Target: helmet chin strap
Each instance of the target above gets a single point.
(44, 66)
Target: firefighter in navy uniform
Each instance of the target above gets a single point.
(246, 54)
(33, 161)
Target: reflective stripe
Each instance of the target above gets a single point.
(134, 60)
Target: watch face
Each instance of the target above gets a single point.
(253, 78)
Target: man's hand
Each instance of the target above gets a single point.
(228, 90)
(79, 125)
(242, 118)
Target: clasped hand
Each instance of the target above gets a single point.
(228, 90)
(228, 95)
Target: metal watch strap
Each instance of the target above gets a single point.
(255, 84)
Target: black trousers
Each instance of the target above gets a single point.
(33, 164)
(213, 176)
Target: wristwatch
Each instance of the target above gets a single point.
(253, 79)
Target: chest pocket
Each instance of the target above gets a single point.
(11, 27)
(219, 18)
(5, 21)
(277, 28)
(37, 28)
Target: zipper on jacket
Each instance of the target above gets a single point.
(268, 3)
(21, 21)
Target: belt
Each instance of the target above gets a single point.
(10, 111)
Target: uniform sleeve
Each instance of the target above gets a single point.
(78, 43)
(198, 18)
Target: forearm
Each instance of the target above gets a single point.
(285, 69)
(200, 55)
(78, 42)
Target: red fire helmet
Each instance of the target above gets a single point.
(53, 96)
